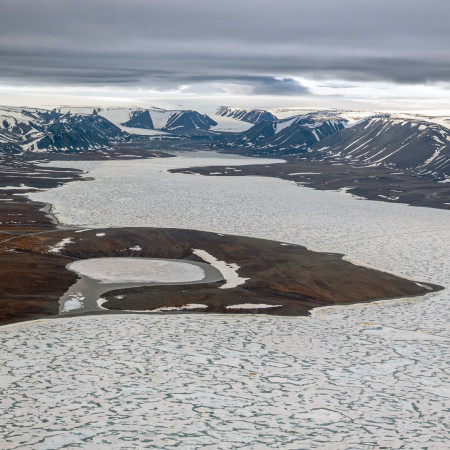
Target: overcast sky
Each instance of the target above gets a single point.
(391, 53)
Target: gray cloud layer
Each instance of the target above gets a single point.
(259, 43)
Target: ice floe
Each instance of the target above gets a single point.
(74, 302)
(334, 381)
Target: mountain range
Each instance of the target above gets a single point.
(417, 143)
(83, 129)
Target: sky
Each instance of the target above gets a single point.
(351, 54)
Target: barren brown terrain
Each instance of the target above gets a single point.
(286, 275)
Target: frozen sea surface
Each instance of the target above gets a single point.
(360, 376)
(350, 378)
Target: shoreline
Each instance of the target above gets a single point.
(395, 187)
(300, 280)
(56, 230)
(312, 314)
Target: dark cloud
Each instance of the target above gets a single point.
(260, 43)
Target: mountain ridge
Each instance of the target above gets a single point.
(400, 141)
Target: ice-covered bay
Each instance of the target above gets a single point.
(361, 376)
(409, 241)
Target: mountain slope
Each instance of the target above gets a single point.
(157, 119)
(30, 129)
(72, 129)
(283, 137)
(140, 119)
(412, 144)
(187, 121)
(78, 132)
(246, 115)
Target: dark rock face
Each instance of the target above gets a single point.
(54, 131)
(187, 121)
(140, 119)
(422, 147)
(78, 132)
(247, 115)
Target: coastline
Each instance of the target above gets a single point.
(35, 245)
(366, 350)
(396, 187)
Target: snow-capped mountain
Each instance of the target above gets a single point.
(131, 119)
(32, 129)
(140, 119)
(287, 136)
(80, 129)
(246, 114)
(188, 120)
(401, 141)
(393, 141)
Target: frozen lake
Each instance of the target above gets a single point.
(347, 377)
(100, 275)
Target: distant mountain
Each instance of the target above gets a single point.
(288, 136)
(140, 119)
(392, 141)
(188, 120)
(416, 143)
(31, 129)
(173, 121)
(79, 129)
(246, 115)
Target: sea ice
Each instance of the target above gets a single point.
(356, 376)
(332, 381)
(189, 306)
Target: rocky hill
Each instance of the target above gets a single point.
(390, 141)
(246, 114)
(30, 129)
